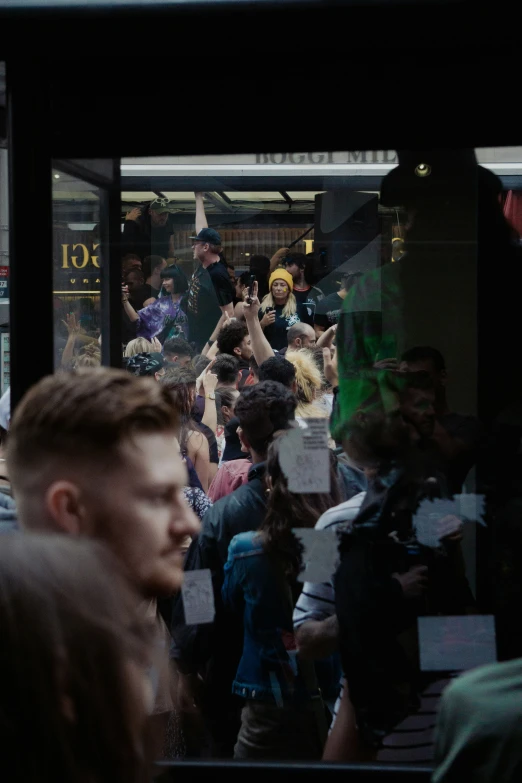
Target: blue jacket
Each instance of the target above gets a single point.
(8, 520)
(255, 588)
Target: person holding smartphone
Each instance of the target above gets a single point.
(280, 310)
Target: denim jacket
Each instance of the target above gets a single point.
(255, 588)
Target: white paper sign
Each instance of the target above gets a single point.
(456, 643)
(305, 458)
(471, 507)
(198, 597)
(435, 519)
(321, 555)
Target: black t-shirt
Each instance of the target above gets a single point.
(328, 310)
(209, 290)
(277, 333)
(140, 295)
(143, 238)
(309, 298)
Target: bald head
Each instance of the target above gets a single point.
(301, 335)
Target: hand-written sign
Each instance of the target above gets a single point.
(456, 643)
(305, 457)
(198, 597)
(441, 517)
(320, 556)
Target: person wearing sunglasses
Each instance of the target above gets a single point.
(148, 229)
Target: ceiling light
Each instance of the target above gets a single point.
(423, 170)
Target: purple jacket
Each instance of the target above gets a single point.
(152, 319)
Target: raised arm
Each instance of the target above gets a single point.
(278, 257)
(260, 346)
(201, 218)
(210, 348)
(209, 383)
(327, 337)
(227, 309)
(129, 309)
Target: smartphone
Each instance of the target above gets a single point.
(250, 288)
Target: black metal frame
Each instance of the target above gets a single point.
(239, 771)
(110, 234)
(30, 235)
(454, 88)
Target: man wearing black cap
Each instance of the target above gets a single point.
(210, 293)
(148, 230)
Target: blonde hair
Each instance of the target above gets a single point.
(138, 345)
(89, 357)
(290, 307)
(309, 383)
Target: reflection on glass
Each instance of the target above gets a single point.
(338, 295)
(77, 273)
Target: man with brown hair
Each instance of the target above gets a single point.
(95, 454)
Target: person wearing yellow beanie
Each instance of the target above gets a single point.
(281, 274)
(280, 310)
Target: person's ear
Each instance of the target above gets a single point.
(237, 350)
(226, 413)
(361, 418)
(244, 442)
(298, 343)
(63, 502)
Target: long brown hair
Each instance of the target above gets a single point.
(70, 631)
(286, 509)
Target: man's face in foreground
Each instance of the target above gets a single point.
(140, 512)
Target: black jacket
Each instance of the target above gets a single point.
(217, 646)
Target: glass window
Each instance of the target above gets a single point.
(380, 258)
(77, 270)
(371, 270)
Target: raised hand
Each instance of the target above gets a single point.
(72, 325)
(134, 214)
(331, 372)
(251, 302)
(200, 388)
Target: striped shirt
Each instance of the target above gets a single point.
(317, 601)
(412, 740)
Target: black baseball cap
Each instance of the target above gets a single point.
(209, 235)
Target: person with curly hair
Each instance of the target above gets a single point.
(309, 385)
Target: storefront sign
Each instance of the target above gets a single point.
(300, 158)
(78, 256)
(4, 282)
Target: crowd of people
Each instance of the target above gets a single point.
(119, 485)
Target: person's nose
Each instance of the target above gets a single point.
(183, 521)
